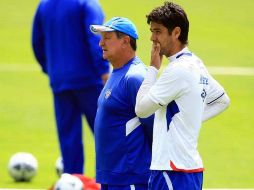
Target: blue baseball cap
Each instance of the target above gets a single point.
(120, 24)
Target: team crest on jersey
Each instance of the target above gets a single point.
(107, 93)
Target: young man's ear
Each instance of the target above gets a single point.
(176, 32)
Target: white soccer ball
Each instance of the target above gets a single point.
(69, 182)
(22, 166)
(59, 166)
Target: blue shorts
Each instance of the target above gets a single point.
(171, 180)
(124, 187)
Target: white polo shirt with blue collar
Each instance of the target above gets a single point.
(181, 92)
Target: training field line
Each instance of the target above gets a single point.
(245, 71)
(239, 71)
(19, 67)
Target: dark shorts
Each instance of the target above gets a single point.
(171, 180)
(124, 187)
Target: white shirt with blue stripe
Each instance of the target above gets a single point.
(178, 98)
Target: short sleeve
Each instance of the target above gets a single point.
(133, 83)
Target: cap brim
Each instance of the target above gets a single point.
(100, 28)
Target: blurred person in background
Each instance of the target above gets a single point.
(69, 55)
(182, 97)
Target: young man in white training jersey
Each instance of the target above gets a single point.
(182, 98)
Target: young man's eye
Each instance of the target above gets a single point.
(156, 32)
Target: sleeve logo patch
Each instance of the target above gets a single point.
(203, 80)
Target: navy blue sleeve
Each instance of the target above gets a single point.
(38, 41)
(133, 84)
(93, 14)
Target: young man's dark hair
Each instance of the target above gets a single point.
(171, 15)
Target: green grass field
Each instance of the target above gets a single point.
(221, 33)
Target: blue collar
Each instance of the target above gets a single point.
(184, 53)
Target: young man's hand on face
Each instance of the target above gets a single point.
(156, 57)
